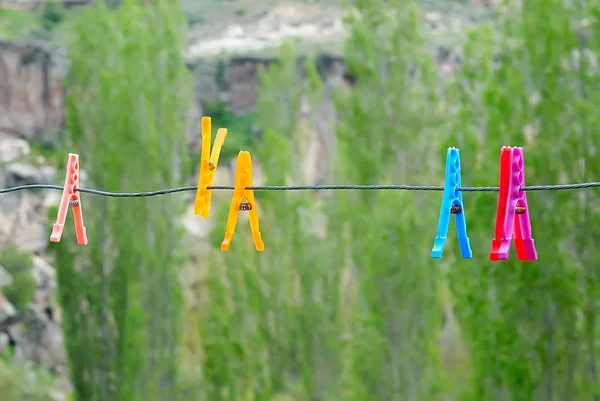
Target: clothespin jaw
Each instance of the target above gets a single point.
(512, 215)
(243, 199)
(208, 166)
(452, 203)
(70, 199)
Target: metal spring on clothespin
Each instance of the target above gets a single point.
(455, 209)
(245, 206)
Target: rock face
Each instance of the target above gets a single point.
(40, 340)
(13, 148)
(34, 334)
(243, 79)
(242, 82)
(31, 91)
(23, 215)
(32, 95)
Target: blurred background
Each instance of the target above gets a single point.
(345, 303)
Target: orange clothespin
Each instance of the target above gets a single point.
(208, 166)
(243, 199)
(70, 199)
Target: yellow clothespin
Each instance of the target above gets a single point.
(243, 199)
(207, 166)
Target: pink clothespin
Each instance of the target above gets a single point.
(512, 213)
(70, 199)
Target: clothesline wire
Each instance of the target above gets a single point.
(583, 185)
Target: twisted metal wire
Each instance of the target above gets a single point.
(584, 185)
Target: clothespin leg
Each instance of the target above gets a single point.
(254, 225)
(500, 249)
(526, 249)
(503, 231)
(199, 202)
(524, 244)
(232, 218)
(205, 207)
(59, 226)
(461, 231)
(440, 241)
(79, 226)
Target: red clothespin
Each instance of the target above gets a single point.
(513, 211)
(70, 199)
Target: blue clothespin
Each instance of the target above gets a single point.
(452, 203)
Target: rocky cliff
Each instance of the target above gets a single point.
(31, 91)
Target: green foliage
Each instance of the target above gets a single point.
(529, 326)
(220, 78)
(240, 11)
(331, 317)
(19, 382)
(345, 303)
(239, 129)
(387, 124)
(18, 264)
(529, 330)
(128, 97)
(16, 24)
(113, 3)
(265, 312)
(52, 14)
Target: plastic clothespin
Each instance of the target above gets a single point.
(452, 203)
(208, 166)
(70, 199)
(243, 199)
(512, 216)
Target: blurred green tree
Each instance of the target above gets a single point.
(270, 325)
(128, 97)
(329, 313)
(528, 80)
(388, 122)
